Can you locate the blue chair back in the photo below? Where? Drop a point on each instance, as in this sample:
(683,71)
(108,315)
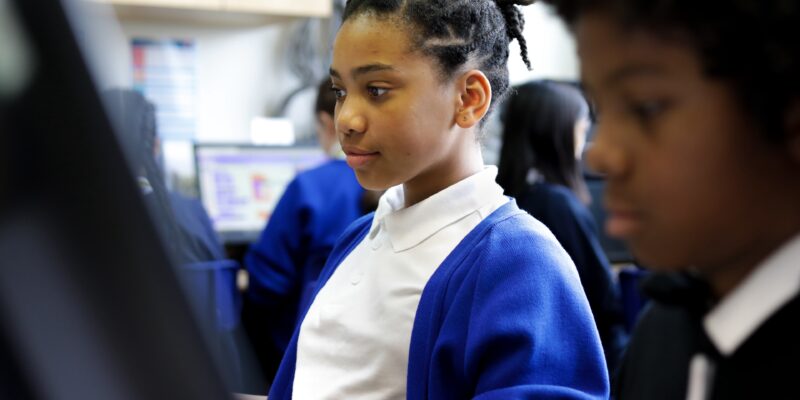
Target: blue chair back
(633,301)
(216,301)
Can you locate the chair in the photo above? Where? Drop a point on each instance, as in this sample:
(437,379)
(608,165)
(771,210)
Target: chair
(216,301)
(633,301)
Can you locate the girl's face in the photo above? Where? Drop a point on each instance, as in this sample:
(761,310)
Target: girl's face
(691,182)
(395,118)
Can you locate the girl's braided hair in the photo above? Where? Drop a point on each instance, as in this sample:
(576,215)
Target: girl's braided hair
(456,33)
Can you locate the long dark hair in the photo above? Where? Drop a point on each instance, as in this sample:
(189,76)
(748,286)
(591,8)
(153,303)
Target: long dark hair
(134,118)
(539,133)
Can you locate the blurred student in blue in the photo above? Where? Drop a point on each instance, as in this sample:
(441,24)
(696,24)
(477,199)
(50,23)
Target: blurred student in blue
(545,126)
(284,263)
(183,221)
(208,278)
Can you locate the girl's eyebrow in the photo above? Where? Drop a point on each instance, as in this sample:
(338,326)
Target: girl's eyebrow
(364,69)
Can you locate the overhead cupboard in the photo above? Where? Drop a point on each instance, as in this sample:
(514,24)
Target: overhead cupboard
(298,8)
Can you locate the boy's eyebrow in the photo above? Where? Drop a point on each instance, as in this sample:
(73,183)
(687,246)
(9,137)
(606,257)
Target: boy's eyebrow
(364,69)
(630,71)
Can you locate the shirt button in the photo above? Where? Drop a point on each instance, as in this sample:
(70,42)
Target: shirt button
(355,277)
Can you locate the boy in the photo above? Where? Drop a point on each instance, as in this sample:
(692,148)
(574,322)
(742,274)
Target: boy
(699,138)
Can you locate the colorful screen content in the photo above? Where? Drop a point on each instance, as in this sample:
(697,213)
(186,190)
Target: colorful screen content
(240,185)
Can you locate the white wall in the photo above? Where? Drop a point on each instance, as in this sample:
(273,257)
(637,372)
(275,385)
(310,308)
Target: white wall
(551,48)
(239,73)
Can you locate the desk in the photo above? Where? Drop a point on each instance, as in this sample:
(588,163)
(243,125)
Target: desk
(239,396)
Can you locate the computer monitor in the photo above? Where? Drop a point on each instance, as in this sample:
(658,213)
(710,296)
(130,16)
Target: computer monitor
(90,303)
(240,185)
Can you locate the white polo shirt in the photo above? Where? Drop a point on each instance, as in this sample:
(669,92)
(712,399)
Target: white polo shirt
(768,288)
(355,338)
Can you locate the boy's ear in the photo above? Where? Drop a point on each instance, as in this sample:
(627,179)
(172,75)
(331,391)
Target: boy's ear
(475,96)
(793,130)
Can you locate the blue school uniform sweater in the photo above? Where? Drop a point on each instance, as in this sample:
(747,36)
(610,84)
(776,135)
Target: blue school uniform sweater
(574,227)
(503,317)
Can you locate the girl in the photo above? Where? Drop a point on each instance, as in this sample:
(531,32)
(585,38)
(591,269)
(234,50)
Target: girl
(545,126)
(448,290)
(699,139)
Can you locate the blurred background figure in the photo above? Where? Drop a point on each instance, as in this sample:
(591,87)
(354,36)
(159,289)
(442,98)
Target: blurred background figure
(284,263)
(209,278)
(545,126)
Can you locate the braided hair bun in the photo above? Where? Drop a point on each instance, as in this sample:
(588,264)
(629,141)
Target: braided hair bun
(515,24)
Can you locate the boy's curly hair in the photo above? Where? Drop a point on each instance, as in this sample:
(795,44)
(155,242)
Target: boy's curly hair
(455,32)
(754,45)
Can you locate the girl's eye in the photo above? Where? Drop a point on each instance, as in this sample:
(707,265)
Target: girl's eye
(339,93)
(376,91)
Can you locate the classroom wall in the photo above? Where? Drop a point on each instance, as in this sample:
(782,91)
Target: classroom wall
(239,72)
(551,48)
(242,71)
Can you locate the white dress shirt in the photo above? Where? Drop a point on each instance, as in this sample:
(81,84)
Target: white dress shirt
(768,288)
(354,340)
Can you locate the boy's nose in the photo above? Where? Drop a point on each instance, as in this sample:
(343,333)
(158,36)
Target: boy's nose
(605,156)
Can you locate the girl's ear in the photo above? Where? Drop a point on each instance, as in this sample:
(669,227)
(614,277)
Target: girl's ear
(475,96)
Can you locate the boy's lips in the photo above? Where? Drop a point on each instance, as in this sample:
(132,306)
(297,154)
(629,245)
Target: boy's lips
(357,157)
(622,222)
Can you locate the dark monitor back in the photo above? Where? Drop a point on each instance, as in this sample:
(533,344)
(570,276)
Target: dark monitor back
(90,306)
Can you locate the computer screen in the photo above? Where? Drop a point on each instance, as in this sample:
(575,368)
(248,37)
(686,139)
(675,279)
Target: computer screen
(240,185)
(91,306)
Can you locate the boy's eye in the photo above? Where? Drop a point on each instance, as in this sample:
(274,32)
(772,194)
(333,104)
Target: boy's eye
(339,93)
(376,91)
(647,110)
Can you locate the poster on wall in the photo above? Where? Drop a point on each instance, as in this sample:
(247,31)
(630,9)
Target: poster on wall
(165,72)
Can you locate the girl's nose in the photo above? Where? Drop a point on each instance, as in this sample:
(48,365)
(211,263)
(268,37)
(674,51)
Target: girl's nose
(349,120)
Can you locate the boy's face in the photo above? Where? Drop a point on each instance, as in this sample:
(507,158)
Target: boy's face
(394,116)
(690,181)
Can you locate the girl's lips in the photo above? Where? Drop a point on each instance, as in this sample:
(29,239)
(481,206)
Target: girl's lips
(360,159)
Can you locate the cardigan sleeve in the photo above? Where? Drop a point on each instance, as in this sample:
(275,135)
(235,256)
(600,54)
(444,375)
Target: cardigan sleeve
(530,330)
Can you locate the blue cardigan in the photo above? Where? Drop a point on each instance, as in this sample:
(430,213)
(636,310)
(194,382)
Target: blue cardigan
(574,227)
(503,317)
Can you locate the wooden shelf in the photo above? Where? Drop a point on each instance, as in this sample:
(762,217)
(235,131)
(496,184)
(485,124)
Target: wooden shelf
(223,10)
(307,8)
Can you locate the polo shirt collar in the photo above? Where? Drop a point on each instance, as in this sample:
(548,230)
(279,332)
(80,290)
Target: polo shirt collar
(408,227)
